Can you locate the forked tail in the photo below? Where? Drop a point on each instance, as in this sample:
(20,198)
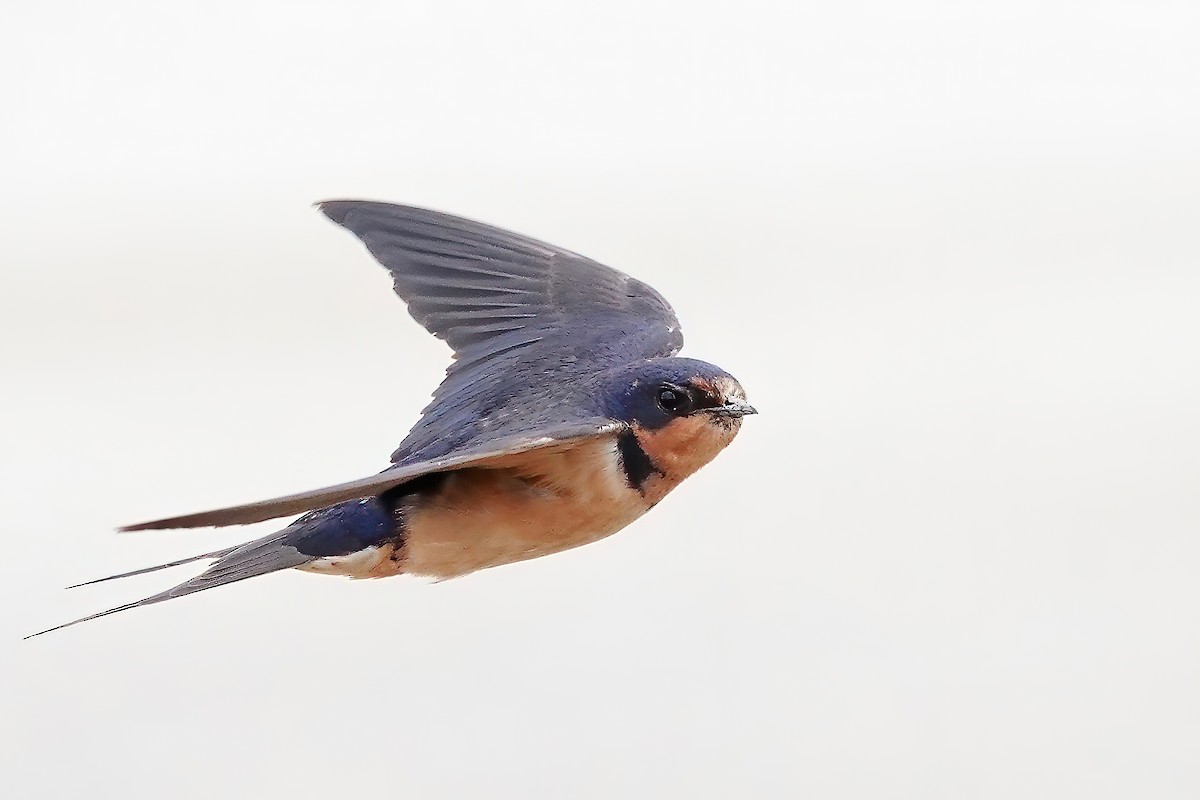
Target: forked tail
(335,531)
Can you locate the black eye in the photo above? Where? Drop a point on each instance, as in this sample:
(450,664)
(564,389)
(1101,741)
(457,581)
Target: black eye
(674,400)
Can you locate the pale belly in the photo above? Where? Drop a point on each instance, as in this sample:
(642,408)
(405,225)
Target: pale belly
(550,501)
(532,504)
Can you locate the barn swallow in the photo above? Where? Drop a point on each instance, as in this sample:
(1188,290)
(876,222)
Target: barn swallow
(564,416)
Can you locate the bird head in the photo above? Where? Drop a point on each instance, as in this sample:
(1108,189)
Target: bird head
(656,393)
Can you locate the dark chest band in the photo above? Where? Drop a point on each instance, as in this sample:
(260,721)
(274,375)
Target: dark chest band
(634,462)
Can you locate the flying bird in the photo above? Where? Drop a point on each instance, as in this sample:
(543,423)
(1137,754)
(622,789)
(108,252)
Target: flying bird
(564,416)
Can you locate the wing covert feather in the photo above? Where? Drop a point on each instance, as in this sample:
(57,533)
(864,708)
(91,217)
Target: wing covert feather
(473,284)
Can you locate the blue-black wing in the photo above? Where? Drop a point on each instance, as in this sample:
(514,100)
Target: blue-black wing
(531,325)
(527,320)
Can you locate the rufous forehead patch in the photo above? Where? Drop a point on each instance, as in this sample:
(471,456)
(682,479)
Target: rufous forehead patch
(722,387)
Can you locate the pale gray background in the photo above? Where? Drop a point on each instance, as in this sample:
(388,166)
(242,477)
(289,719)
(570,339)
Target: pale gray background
(950,249)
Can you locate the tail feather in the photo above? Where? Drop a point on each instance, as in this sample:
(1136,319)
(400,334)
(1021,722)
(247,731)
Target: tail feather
(250,560)
(157,567)
(335,531)
(157,598)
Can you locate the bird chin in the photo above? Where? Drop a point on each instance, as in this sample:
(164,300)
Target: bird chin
(726,423)
(729,425)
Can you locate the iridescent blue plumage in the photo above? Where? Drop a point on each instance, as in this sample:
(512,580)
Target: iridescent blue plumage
(630,392)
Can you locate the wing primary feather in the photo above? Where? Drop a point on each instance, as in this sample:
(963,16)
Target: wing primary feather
(372,485)
(280,506)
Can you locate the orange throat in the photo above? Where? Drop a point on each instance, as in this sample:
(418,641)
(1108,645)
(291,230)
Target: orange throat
(679,449)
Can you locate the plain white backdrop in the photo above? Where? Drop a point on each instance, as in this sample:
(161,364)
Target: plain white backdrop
(951,250)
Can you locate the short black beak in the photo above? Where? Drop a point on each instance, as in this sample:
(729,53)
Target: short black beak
(734,408)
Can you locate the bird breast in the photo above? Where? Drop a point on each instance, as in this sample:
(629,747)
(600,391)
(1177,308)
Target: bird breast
(534,504)
(540,502)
